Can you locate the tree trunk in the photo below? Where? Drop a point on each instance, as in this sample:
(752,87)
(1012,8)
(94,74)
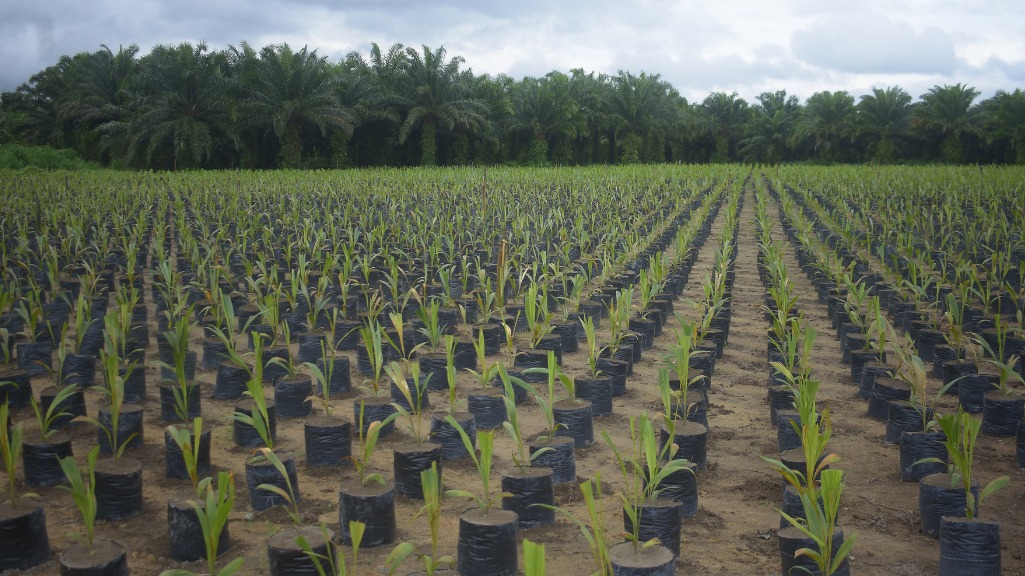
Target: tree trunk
(291,150)
(950,151)
(429,145)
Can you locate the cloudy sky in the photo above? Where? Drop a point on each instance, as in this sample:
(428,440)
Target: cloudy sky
(746,46)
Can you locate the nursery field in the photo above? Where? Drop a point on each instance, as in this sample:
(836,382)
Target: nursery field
(213,364)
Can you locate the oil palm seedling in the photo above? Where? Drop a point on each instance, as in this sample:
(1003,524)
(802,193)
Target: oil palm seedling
(644,468)
(117,438)
(487,535)
(412,394)
(213,506)
(10,449)
(367,446)
(24,520)
(257,418)
(189,443)
(962,431)
(185,395)
(485,500)
(536,314)
(431,511)
(593,527)
(83,492)
(819,524)
(372,336)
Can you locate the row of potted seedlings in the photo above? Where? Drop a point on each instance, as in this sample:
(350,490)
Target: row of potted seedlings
(810,538)
(936,449)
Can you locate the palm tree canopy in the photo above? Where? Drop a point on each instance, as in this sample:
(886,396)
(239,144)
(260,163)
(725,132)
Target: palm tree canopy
(949,109)
(643,103)
(886,112)
(185,116)
(828,117)
(292,92)
(434,94)
(544,106)
(723,114)
(770,126)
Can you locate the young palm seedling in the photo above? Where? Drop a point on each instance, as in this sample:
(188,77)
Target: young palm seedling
(679,359)
(372,336)
(398,343)
(286,494)
(644,469)
(323,380)
(185,395)
(450,373)
(333,563)
(114,390)
(521,457)
(593,351)
(485,501)
(259,417)
(50,419)
(961,431)
(821,506)
(432,329)
(487,371)
(487,536)
(367,446)
(213,506)
(190,445)
(593,529)
(431,510)
(84,494)
(535,309)
(412,395)
(10,448)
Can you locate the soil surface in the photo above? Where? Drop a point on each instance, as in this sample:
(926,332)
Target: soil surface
(734,530)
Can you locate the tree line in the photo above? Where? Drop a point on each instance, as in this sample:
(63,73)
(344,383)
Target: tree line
(187,106)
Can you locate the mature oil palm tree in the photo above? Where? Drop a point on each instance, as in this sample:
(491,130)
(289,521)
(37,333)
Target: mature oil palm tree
(294,95)
(435,98)
(684,128)
(546,113)
(885,117)
(184,118)
(359,92)
(769,128)
(642,108)
(1008,121)
(723,117)
(484,144)
(948,111)
(371,89)
(33,109)
(591,93)
(256,145)
(827,119)
(99,100)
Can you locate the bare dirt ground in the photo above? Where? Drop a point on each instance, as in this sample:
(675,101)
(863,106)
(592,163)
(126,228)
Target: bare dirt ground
(734,531)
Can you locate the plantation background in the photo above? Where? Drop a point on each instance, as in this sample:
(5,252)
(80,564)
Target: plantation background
(186,106)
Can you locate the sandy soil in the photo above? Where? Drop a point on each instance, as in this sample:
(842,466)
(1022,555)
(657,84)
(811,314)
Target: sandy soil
(734,531)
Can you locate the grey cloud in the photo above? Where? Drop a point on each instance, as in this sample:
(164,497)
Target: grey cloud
(865,43)
(1014,70)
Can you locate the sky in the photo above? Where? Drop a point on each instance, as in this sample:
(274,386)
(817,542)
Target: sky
(742,46)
